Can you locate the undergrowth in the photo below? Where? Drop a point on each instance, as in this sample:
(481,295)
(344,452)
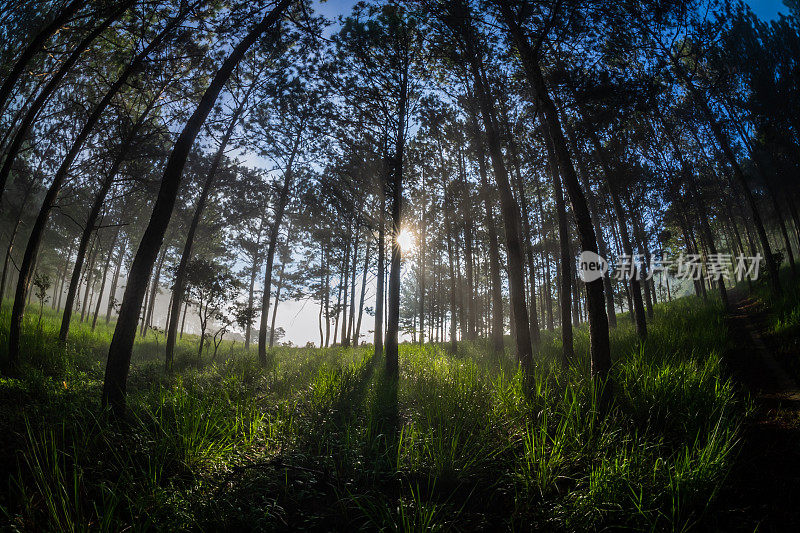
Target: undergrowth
(322,439)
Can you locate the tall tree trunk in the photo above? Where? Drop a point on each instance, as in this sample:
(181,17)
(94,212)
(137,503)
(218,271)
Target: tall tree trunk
(64,272)
(357,333)
(594,213)
(346,285)
(526,232)
(34,47)
(44,95)
(494,264)
(566,260)
(450,262)
(280,209)
(12,238)
(148,317)
(494,249)
(183,318)
(248,330)
(638,234)
(351,320)
(423,243)
(275,307)
(105,277)
(509,211)
(179,284)
(112,295)
(327,296)
(90,274)
(119,354)
(378,334)
(634,281)
(396,190)
(598,320)
(547,294)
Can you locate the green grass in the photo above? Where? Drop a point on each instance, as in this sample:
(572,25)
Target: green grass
(321,439)
(781,327)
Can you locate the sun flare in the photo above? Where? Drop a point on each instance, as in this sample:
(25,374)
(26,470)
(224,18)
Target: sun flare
(406,240)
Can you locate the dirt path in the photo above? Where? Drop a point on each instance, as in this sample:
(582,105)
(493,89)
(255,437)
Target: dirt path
(763,492)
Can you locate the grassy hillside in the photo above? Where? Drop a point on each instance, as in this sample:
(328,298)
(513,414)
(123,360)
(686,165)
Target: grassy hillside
(319,439)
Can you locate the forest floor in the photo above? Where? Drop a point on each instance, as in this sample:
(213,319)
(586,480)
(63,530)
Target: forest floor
(701,436)
(762,490)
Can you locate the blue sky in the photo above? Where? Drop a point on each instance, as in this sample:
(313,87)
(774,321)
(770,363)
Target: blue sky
(768,9)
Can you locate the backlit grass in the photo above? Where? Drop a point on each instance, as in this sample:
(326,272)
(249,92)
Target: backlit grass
(320,438)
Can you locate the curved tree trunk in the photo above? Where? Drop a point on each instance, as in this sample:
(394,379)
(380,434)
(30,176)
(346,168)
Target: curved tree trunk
(34,47)
(119,353)
(179,285)
(47,91)
(37,232)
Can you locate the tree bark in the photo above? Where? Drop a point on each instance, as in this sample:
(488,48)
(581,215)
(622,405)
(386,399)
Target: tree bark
(466,209)
(44,95)
(179,284)
(635,285)
(112,295)
(105,277)
(90,273)
(275,307)
(396,190)
(598,320)
(280,209)
(357,334)
(12,238)
(594,213)
(378,334)
(509,211)
(565,279)
(253,272)
(148,316)
(119,354)
(526,232)
(450,261)
(34,47)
